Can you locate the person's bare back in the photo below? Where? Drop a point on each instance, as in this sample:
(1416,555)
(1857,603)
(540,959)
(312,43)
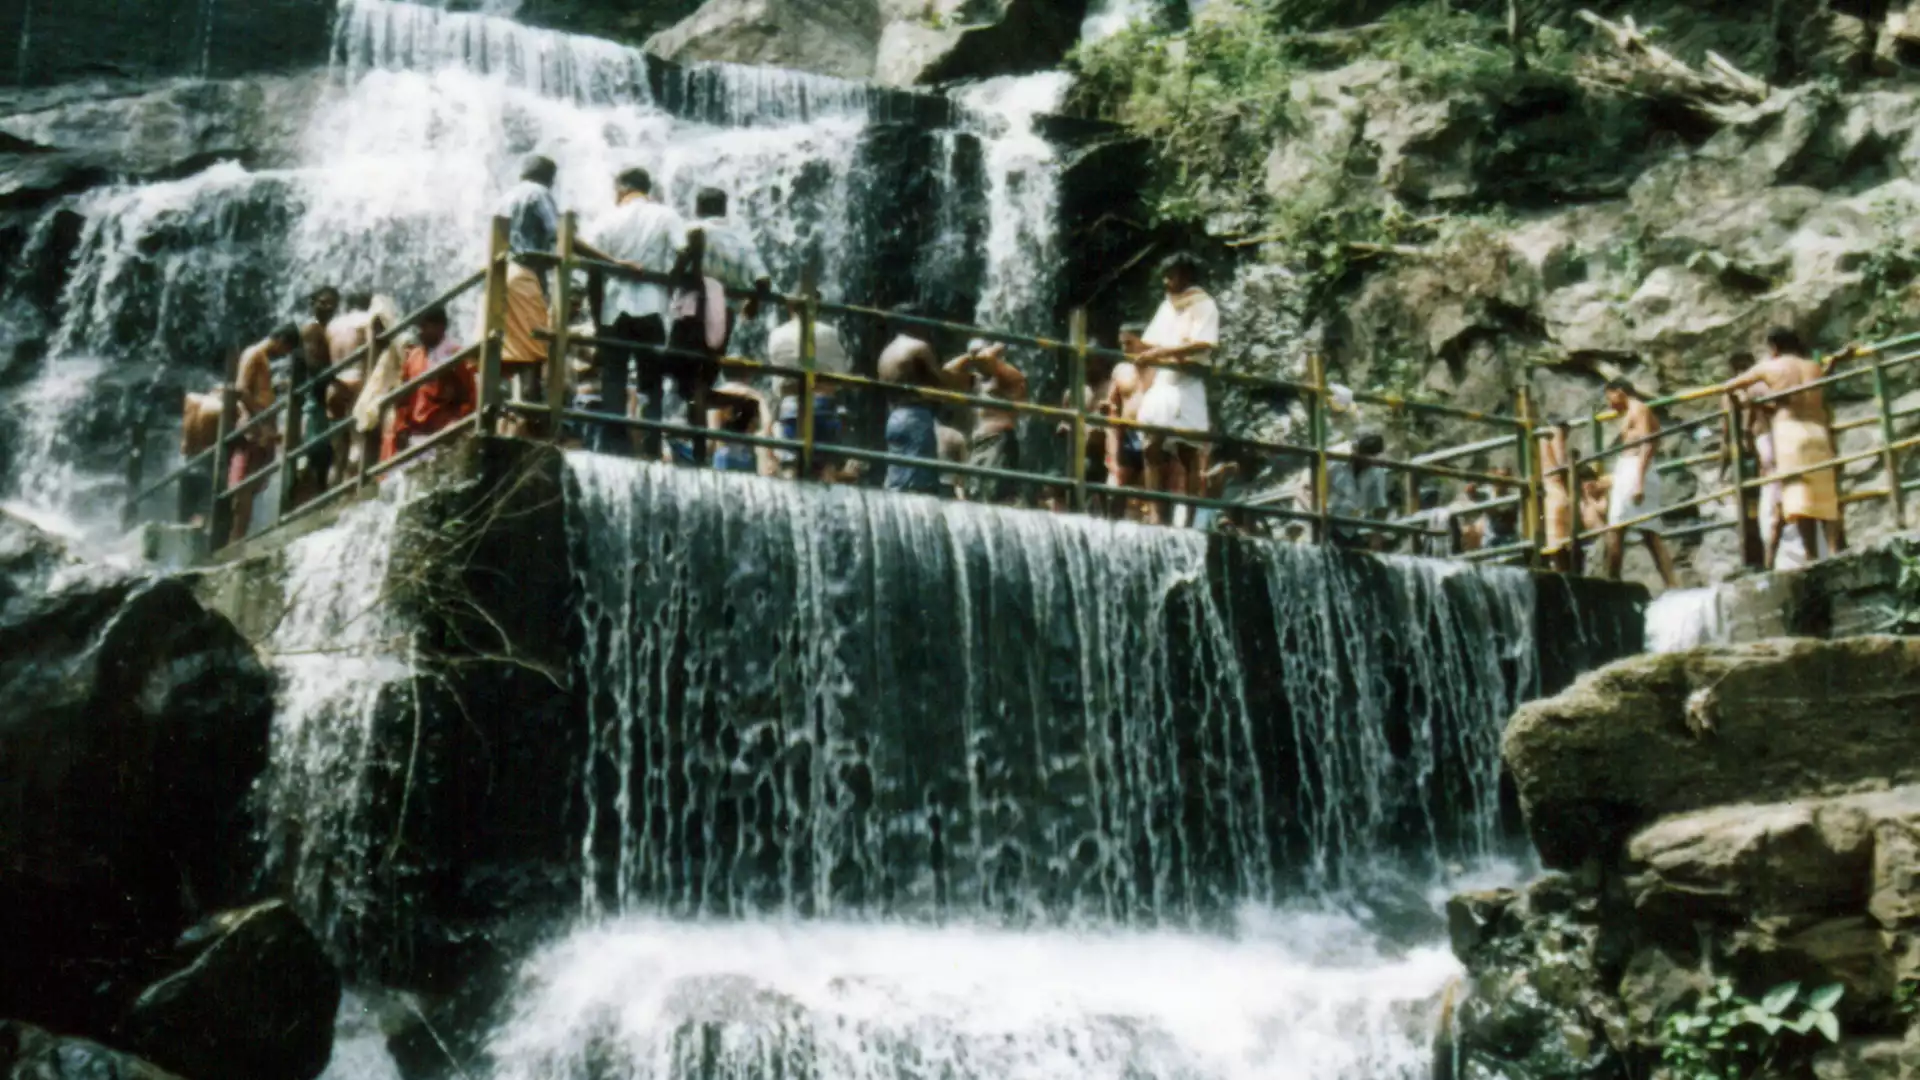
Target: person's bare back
(255,379)
(908,361)
(1782,374)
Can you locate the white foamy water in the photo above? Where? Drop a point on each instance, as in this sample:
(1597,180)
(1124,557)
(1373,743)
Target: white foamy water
(1023,198)
(1681,619)
(1288,995)
(1106,18)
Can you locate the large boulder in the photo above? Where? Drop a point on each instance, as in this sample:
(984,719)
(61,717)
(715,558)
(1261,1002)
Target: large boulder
(29,1053)
(827,37)
(256,1002)
(135,723)
(1666,734)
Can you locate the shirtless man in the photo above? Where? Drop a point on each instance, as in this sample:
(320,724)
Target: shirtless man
(254,385)
(316,465)
(1802,438)
(1636,482)
(199,429)
(347,333)
(995,443)
(1125,449)
(912,426)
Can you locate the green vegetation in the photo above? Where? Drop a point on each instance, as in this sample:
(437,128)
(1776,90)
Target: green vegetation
(1725,1036)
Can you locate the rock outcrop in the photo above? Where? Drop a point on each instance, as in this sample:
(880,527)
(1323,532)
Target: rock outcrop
(1667,734)
(30,1053)
(135,722)
(256,1001)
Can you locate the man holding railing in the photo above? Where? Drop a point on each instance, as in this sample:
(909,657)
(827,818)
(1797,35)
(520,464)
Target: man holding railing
(731,257)
(254,450)
(1635,496)
(533,227)
(1180,343)
(644,235)
(829,420)
(913,429)
(438,403)
(1801,438)
(995,442)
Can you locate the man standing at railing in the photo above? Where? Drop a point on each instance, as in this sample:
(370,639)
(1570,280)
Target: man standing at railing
(1180,343)
(253,384)
(731,257)
(1357,488)
(913,430)
(829,420)
(995,442)
(439,402)
(644,235)
(1802,438)
(533,227)
(1636,482)
(315,466)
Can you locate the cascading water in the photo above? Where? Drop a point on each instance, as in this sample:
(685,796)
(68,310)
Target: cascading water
(1681,619)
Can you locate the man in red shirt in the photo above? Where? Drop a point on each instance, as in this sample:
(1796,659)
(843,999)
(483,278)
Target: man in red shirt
(438,403)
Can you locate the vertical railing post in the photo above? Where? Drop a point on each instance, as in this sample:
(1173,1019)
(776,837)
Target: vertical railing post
(1737,463)
(1077,384)
(1576,547)
(493,328)
(809,317)
(289,462)
(136,471)
(561,321)
(1528,473)
(1894,490)
(220,508)
(1317,427)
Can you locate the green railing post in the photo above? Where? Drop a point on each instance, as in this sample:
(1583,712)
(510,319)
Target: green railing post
(1077,380)
(809,317)
(493,328)
(1894,488)
(561,319)
(1576,547)
(1317,426)
(1528,473)
(1736,461)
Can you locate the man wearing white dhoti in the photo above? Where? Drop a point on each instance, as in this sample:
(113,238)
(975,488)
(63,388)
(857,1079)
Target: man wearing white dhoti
(1180,343)
(1635,496)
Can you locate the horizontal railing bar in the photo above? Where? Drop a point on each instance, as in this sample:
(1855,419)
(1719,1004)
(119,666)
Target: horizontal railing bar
(1484,445)
(324,498)
(387,336)
(197,461)
(438,438)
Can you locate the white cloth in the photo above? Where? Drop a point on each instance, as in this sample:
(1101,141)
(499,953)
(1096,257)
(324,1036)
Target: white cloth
(829,354)
(1620,504)
(647,233)
(1178,399)
(385,375)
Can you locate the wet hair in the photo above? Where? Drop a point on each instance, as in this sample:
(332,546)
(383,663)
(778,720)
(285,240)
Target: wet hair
(437,314)
(1369,444)
(1623,386)
(1137,329)
(711,202)
(357,301)
(1740,361)
(288,335)
(323,291)
(1783,339)
(634,179)
(1181,262)
(540,169)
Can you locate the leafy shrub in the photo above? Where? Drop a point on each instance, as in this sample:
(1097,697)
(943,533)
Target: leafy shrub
(1725,1036)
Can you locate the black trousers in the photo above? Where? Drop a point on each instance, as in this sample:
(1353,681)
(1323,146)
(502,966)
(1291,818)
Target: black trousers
(615,365)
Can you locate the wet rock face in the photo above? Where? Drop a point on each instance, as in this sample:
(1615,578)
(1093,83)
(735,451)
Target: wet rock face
(135,723)
(1659,735)
(63,40)
(256,1001)
(29,1053)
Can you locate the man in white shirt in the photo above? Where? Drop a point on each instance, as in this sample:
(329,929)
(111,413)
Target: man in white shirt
(643,235)
(1357,488)
(1180,343)
(829,420)
(731,256)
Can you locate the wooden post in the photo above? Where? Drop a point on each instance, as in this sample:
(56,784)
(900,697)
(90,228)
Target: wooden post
(809,317)
(493,328)
(289,462)
(219,508)
(1317,426)
(1576,547)
(1737,463)
(136,471)
(559,369)
(1077,382)
(1529,475)
(1894,489)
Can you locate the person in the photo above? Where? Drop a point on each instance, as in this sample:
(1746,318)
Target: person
(1126,449)
(1635,491)
(730,257)
(1092,396)
(1596,494)
(1180,343)
(253,385)
(439,403)
(736,408)
(199,430)
(642,235)
(912,428)
(1753,441)
(829,419)
(533,228)
(370,420)
(315,470)
(1801,438)
(1501,524)
(953,451)
(348,333)
(1556,497)
(995,442)
(1357,488)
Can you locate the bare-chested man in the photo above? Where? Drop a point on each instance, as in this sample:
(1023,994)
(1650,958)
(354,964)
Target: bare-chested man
(1636,482)
(1801,436)
(254,385)
(995,442)
(199,430)
(348,333)
(1125,448)
(912,426)
(315,467)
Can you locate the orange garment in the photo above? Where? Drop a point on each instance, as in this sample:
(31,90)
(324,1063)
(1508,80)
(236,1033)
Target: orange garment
(435,405)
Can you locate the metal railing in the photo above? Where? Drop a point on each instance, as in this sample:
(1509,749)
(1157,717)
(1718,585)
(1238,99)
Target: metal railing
(1518,434)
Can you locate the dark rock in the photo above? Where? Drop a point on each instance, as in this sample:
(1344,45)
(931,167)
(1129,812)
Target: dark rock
(256,1003)
(79,39)
(1667,734)
(135,724)
(28,1053)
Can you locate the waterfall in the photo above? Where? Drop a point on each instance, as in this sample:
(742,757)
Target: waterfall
(832,702)
(1023,198)
(339,653)
(1682,619)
